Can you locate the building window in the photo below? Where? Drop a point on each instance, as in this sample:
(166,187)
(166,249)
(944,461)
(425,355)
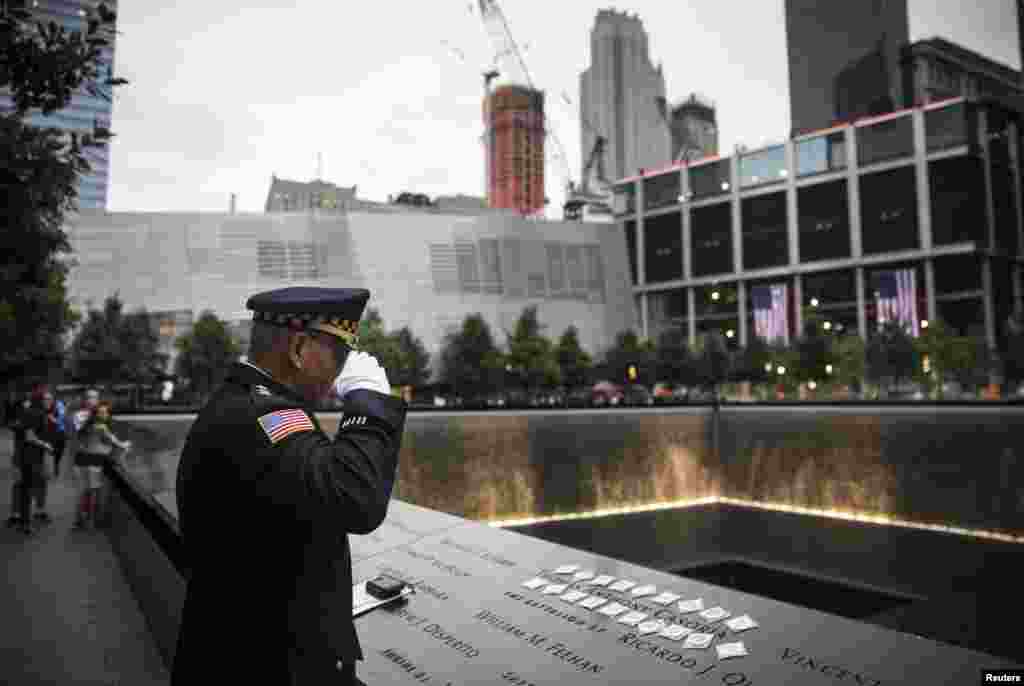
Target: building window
(663,248)
(490,262)
(765,235)
(272,259)
(710,179)
(957,189)
(711,239)
(630,227)
(717,310)
(821,154)
(556,268)
(957,275)
(765,166)
(889,211)
(831,297)
(885,140)
(666,311)
(661,190)
(872,277)
(824,221)
(946,127)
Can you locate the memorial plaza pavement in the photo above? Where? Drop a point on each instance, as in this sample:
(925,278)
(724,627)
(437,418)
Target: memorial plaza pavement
(69,616)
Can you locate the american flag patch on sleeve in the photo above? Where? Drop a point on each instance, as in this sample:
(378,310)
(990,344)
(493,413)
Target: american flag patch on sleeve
(283,423)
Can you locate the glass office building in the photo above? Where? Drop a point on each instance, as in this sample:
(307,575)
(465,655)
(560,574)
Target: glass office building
(935,190)
(84,109)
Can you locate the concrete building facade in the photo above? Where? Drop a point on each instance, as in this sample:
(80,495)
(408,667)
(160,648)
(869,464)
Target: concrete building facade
(425,269)
(622,97)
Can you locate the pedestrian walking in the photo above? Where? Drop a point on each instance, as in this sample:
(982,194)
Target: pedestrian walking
(56,423)
(266,499)
(34,461)
(17,416)
(96,444)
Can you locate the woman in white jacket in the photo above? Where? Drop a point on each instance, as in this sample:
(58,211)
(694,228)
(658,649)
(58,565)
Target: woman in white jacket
(96,443)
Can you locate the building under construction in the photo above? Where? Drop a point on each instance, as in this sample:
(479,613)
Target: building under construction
(514,148)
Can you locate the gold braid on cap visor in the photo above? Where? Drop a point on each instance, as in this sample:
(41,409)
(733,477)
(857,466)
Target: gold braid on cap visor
(345,329)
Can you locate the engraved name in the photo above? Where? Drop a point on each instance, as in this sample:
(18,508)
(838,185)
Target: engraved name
(479,551)
(795,657)
(439,564)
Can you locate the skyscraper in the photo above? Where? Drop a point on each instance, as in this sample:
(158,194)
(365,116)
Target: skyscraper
(84,109)
(849,60)
(858,39)
(622,97)
(514,144)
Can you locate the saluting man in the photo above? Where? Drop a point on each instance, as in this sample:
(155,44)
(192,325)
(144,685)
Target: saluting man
(266,499)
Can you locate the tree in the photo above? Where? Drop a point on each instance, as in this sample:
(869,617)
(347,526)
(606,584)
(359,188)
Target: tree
(891,356)
(113,347)
(814,352)
(573,360)
(849,355)
(206,353)
(412,368)
(628,352)
(531,357)
(715,363)
(471,364)
(42,66)
(674,362)
(756,362)
(1013,348)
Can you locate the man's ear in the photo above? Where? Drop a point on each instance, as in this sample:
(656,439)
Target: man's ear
(296,347)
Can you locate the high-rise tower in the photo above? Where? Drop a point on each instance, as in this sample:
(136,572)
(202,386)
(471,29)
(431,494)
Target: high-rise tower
(84,109)
(622,96)
(514,143)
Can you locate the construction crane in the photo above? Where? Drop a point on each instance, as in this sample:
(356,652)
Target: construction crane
(594,196)
(509,63)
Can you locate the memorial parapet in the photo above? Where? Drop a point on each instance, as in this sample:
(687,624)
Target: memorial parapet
(493,607)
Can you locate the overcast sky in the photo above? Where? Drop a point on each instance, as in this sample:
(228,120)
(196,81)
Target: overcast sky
(222,96)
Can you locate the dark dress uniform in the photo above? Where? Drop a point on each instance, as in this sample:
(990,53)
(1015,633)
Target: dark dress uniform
(265,501)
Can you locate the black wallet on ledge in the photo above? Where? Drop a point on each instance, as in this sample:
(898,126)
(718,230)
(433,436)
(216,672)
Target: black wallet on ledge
(384,587)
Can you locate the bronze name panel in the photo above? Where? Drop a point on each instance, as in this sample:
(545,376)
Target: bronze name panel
(472,621)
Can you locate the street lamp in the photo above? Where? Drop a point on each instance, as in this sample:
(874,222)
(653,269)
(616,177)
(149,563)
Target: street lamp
(924,323)
(715,295)
(632,372)
(768,367)
(780,370)
(828,326)
(814,302)
(730,333)
(812,385)
(828,369)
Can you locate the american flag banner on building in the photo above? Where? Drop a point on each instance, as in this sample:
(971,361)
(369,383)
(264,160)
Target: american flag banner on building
(771,312)
(283,423)
(896,299)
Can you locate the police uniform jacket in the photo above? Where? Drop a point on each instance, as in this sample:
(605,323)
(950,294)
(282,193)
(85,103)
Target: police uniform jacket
(265,527)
